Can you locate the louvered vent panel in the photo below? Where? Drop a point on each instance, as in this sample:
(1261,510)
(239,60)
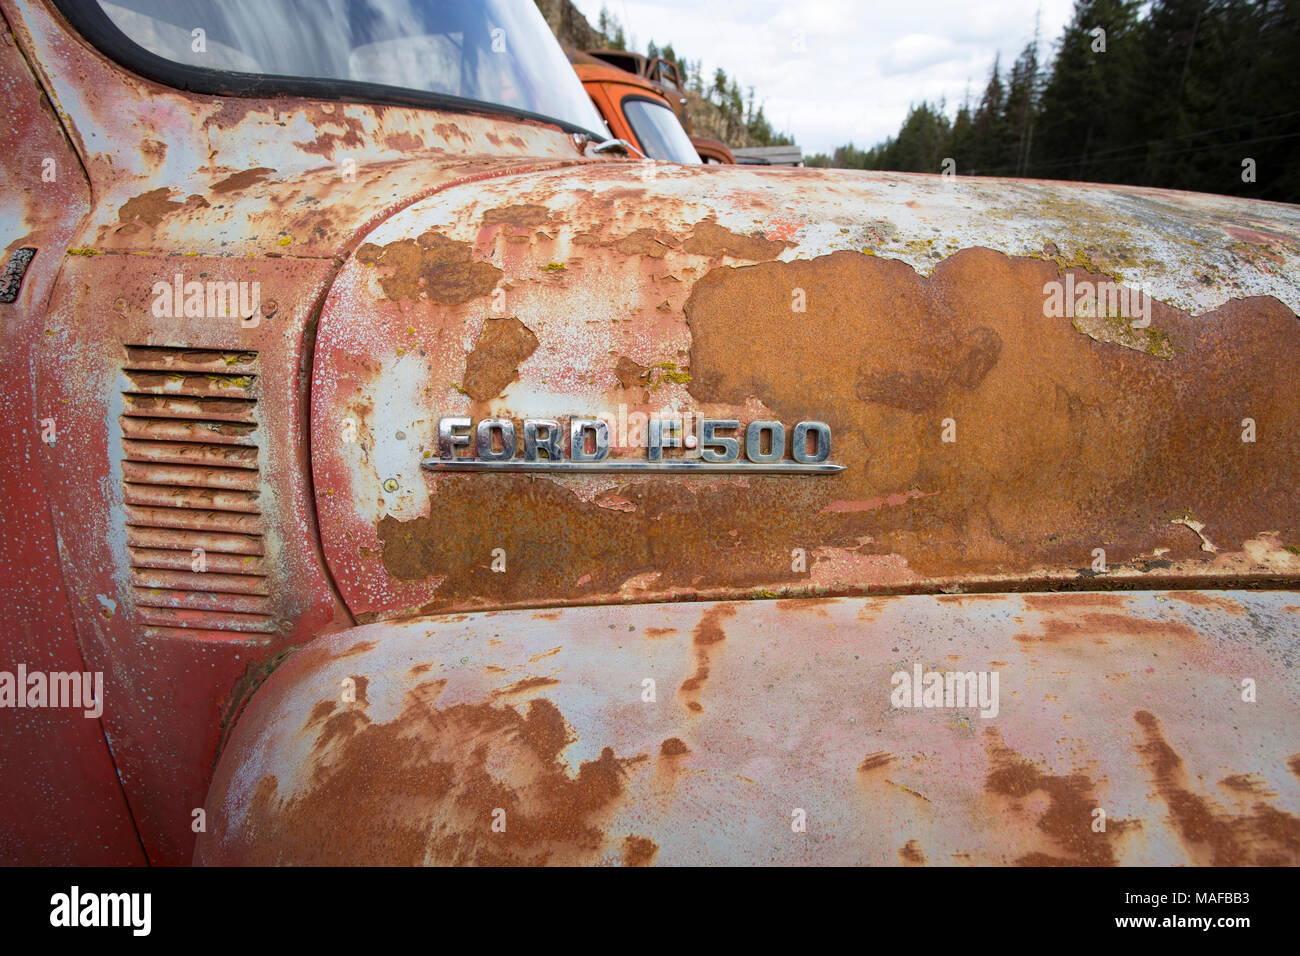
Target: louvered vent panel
(190,480)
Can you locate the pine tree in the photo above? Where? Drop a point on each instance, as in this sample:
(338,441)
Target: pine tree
(989,139)
(1086,99)
(1021,109)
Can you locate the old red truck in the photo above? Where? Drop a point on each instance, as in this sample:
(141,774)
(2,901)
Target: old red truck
(399,473)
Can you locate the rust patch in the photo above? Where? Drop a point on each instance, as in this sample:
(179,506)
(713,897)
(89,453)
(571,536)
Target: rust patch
(362,684)
(659,631)
(875,761)
(155,150)
(708,632)
(1268,837)
(1202,599)
(1096,624)
(494,363)
(709,629)
(1067,600)
(629,373)
(1053,453)
(1293,764)
(340,725)
(360,647)
(325,143)
(911,855)
(962,359)
(321,711)
(639,851)
(148,208)
(424,789)
(664,522)
(654,243)
(712,240)
(431,266)
(1251,783)
(450,131)
(526,683)
(522,216)
(404,142)
(673,747)
(1067,821)
(818,605)
(242,180)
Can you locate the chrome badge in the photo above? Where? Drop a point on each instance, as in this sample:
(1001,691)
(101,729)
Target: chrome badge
(494,446)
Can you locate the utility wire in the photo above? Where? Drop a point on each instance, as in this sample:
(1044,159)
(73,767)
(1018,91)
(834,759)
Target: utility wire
(1136,153)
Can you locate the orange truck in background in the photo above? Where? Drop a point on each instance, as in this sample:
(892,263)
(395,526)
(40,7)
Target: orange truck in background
(638,111)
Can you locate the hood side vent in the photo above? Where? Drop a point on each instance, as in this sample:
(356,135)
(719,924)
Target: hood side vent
(191,482)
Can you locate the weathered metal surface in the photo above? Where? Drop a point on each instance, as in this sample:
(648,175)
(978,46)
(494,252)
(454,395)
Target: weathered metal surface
(181,434)
(539,721)
(635,289)
(192,563)
(179,172)
(60,799)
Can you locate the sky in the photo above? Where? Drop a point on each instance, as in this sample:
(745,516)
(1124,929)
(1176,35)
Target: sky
(837,71)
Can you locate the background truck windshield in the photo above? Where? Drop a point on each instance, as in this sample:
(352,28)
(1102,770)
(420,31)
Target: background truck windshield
(491,51)
(659,131)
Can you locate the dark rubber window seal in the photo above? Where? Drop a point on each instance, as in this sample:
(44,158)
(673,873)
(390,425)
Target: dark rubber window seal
(89,20)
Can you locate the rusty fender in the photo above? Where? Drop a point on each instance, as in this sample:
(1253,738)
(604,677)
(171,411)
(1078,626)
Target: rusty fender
(1117,731)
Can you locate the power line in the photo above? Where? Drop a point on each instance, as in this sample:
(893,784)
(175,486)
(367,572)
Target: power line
(1138,149)
(1137,152)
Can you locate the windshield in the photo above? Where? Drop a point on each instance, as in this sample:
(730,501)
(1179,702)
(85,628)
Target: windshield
(492,51)
(661,135)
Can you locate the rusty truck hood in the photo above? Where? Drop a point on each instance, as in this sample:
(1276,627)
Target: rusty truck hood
(987,444)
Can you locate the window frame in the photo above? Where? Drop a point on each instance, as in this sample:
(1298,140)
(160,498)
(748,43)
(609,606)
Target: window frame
(94,26)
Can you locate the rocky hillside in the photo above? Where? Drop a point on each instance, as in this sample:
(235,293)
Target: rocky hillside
(569,25)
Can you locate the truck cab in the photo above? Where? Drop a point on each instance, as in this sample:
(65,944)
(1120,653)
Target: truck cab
(634,109)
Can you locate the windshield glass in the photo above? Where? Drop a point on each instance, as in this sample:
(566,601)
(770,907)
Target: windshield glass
(493,51)
(661,135)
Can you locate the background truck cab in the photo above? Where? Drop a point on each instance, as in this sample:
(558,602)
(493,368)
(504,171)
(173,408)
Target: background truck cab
(634,109)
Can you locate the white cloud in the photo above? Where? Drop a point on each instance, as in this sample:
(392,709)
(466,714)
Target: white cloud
(915,51)
(864,61)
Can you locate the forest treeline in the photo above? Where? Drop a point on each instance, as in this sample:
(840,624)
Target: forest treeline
(1185,94)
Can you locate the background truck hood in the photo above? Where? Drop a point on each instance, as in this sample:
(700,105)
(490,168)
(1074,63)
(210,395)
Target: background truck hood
(580,290)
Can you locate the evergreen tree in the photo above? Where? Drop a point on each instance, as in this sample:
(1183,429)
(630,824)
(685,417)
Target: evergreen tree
(1090,89)
(1021,110)
(990,146)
